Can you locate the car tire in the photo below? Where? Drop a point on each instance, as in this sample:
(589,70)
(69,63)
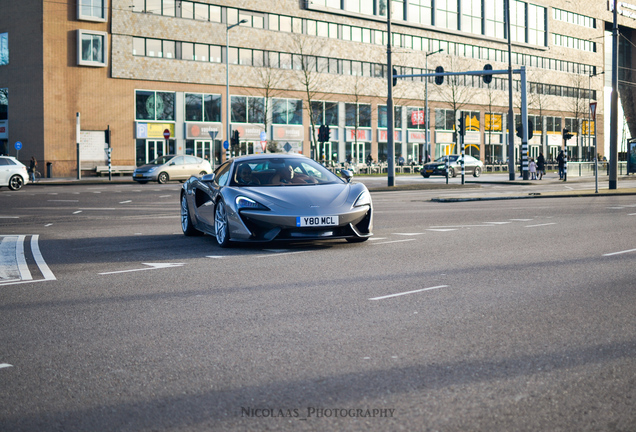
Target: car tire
(163,178)
(186,221)
(477,172)
(221,225)
(451,172)
(202,173)
(16,182)
(425,175)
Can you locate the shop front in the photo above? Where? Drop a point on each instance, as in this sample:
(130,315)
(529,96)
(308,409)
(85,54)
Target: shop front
(205,140)
(383,152)
(288,138)
(249,138)
(150,142)
(358,145)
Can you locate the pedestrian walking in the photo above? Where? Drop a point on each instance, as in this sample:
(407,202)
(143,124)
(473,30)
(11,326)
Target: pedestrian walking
(33,166)
(540,166)
(561,161)
(532,167)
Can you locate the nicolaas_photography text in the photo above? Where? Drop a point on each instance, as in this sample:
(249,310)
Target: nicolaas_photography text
(317,412)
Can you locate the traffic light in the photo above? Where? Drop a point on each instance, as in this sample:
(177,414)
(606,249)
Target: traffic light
(323,133)
(520,131)
(235,138)
(566,134)
(439,80)
(460,125)
(530,129)
(394,77)
(488,78)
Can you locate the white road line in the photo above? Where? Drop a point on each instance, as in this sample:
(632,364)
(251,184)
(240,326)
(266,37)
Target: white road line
(409,234)
(63,200)
(521,220)
(442,229)
(37,255)
(125,202)
(9,217)
(279,253)
(497,223)
(104,208)
(377,238)
(394,241)
(215,256)
(631,214)
(540,225)
(5,365)
(48,225)
(79,211)
(621,252)
(23,268)
(408,292)
(153,266)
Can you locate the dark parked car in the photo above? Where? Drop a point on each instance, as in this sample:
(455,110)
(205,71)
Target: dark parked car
(438,167)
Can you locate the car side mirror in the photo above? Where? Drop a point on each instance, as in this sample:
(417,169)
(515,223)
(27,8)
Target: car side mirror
(347,175)
(172,163)
(208,177)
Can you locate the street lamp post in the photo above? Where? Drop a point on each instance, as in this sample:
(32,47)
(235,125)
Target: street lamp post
(227,78)
(589,115)
(427,141)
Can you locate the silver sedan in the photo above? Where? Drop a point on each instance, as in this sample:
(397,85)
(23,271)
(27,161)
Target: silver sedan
(262,198)
(171,167)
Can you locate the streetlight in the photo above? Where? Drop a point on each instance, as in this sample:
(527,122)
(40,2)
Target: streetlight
(227,77)
(428,144)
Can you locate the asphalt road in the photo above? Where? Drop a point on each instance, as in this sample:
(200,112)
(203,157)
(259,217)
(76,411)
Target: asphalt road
(488,315)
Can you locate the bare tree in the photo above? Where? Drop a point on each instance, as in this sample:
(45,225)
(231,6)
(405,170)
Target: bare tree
(310,66)
(492,99)
(578,104)
(268,85)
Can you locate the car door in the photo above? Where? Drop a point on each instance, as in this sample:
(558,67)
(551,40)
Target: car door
(175,168)
(4,171)
(206,193)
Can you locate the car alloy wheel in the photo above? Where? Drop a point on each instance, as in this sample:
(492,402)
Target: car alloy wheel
(451,172)
(16,183)
(477,172)
(162,178)
(221,227)
(186,223)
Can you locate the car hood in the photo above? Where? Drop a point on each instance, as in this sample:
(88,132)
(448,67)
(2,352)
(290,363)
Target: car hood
(297,197)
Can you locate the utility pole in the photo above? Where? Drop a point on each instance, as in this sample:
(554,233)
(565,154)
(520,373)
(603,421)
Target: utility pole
(613,159)
(389,103)
(511,114)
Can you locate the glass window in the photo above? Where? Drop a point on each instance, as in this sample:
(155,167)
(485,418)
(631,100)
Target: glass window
(92,48)
(215,13)
(91,10)
(169,49)
(153,48)
(212,107)
(239,109)
(139,46)
(169,7)
(331,113)
(279,111)
(187,9)
(285,24)
(145,105)
(215,53)
(201,11)
(4,49)
(446,14)
(420,11)
(165,106)
(187,51)
(194,107)
(201,52)
(4,104)
(256,110)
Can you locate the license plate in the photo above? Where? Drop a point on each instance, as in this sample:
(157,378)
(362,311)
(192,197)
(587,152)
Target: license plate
(309,221)
(139,175)
(429,171)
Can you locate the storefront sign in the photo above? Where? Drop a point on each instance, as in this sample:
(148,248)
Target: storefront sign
(383,136)
(4,129)
(288,132)
(417,117)
(443,137)
(248,132)
(416,136)
(362,135)
(202,130)
(152,130)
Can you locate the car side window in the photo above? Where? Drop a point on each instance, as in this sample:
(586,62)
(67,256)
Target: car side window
(177,160)
(223,174)
(191,160)
(4,161)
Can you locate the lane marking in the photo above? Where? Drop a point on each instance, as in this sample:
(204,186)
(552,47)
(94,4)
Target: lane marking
(48,225)
(442,230)
(9,217)
(621,252)
(39,260)
(79,211)
(497,223)
(540,225)
(408,292)
(5,365)
(153,266)
(23,268)
(63,200)
(280,253)
(125,202)
(409,234)
(377,238)
(521,220)
(394,241)
(215,256)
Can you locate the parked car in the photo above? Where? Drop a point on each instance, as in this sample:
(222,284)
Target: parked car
(13,173)
(172,167)
(438,167)
(268,197)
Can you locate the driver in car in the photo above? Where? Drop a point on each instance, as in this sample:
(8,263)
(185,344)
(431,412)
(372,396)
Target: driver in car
(287,175)
(244,176)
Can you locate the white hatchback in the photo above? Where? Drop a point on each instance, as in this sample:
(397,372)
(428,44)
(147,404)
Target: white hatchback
(13,173)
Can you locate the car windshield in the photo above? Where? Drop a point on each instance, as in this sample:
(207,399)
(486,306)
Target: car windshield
(161,160)
(452,158)
(281,172)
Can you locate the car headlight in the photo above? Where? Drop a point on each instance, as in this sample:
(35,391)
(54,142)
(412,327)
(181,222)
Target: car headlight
(364,199)
(441,166)
(243,203)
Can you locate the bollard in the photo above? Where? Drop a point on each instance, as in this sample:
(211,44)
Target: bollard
(49,169)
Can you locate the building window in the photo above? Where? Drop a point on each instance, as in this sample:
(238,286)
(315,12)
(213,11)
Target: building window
(202,107)
(325,113)
(518,20)
(446,14)
(397,117)
(248,109)
(536,25)
(420,11)
(287,111)
(91,10)
(4,49)
(358,115)
(495,18)
(444,119)
(154,106)
(91,48)
(471,16)
(4,103)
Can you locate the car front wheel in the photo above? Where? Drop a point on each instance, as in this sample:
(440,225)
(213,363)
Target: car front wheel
(477,172)
(16,182)
(163,178)
(221,225)
(186,223)
(451,172)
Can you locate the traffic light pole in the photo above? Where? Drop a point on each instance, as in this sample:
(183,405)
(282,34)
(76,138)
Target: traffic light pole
(389,104)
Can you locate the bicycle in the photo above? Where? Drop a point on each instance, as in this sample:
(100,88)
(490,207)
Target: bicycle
(35,176)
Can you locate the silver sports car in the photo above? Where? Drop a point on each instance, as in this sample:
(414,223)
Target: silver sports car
(261,198)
